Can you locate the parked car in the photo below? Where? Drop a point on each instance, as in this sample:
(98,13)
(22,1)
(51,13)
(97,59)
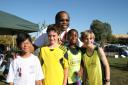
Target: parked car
(111,48)
(121,50)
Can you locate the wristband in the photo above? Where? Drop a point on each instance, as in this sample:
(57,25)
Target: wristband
(107,80)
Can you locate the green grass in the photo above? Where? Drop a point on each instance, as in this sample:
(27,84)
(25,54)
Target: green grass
(119,71)
(119,62)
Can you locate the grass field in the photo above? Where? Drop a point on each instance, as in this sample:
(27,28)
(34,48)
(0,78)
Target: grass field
(119,71)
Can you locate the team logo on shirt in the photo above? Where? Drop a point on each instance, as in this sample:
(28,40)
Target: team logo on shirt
(19,70)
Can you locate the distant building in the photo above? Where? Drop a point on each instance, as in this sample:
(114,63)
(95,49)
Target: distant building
(122,38)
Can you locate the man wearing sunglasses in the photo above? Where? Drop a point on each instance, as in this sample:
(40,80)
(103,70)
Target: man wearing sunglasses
(62,19)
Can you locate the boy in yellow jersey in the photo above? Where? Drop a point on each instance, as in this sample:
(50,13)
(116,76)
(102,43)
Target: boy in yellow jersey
(74,57)
(91,60)
(54,59)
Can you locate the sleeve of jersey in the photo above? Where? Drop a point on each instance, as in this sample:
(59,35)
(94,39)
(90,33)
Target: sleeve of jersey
(10,77)
(65,60)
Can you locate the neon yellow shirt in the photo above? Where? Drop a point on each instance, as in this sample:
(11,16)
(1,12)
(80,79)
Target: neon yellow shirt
(93,68)
(74,66)
(52,67)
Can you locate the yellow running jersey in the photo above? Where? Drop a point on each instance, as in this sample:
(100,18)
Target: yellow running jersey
(53,63)
(74,66)
(93,67)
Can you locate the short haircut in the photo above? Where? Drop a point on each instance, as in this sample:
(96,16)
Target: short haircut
(54,27)
(86,34)
(57,17)
(21,37)
(70,31)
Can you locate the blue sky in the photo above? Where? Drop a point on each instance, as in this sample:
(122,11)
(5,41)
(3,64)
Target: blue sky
(82,12)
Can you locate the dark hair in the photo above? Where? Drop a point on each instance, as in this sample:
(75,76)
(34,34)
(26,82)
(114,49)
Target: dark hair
(21,37)
(2,48)
(57,17)
(70,31)
(54,27)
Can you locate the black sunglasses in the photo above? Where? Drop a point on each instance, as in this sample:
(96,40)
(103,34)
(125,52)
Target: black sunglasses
(61,20)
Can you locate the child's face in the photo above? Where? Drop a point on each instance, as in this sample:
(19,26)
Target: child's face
(26,46)
(88,40)
(73,38)
(53,37)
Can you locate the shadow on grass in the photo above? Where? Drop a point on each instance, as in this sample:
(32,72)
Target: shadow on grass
(123,68)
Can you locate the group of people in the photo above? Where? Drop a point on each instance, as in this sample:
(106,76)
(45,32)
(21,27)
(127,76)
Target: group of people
(64,58)
(6,56)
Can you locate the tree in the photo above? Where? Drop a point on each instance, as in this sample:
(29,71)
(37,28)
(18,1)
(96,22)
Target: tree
(108,31)
(7,40)
(102,31)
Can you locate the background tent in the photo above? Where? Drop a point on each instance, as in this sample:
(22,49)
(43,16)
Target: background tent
(11,24)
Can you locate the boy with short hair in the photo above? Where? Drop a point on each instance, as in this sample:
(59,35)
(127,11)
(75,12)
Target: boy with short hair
(26,68)
(54,59)
(74,58)
(92,58)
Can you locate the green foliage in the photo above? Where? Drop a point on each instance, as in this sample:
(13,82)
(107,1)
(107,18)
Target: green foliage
(4,39)
(119,41)
(101,30)
(114,41)
(7,40)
